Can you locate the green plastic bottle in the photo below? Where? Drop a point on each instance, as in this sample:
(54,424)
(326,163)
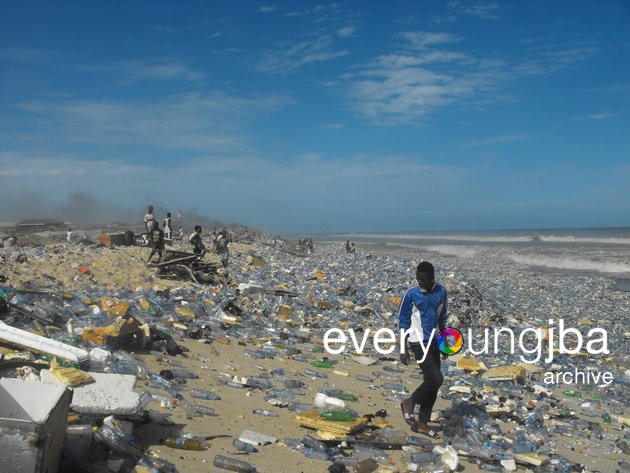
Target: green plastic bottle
(571,393)
(337,415)
(322,364)
(346,396)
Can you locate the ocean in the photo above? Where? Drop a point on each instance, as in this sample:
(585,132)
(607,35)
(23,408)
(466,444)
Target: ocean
(604,251)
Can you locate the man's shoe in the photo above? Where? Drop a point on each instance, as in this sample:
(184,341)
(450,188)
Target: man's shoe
(407,407)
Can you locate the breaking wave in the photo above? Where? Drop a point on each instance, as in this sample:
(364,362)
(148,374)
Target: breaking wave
(491,238)
(572,263)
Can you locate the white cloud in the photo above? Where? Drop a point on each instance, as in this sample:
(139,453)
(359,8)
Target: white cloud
(346,31)
(427,73)
(596,116)
(422,39)
(193,121)
(267,9)
(485,11)
(496,140)
(602,116)
(404,86)
(291,57)
(130,72)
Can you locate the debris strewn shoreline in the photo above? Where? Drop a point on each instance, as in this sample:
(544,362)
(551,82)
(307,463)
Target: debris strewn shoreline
(255,342)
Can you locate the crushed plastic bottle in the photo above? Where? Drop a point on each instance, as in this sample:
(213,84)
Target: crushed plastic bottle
(232,464)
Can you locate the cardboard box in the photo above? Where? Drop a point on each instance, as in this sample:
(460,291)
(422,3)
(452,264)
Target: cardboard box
(112,239)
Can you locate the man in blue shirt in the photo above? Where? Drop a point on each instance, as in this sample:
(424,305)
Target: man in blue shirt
(422,316)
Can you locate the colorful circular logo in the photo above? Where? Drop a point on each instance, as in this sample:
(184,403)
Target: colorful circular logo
(450,341)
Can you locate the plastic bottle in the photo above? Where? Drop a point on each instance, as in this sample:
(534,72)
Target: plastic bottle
(421,442)
(178,373)
(322,364)
(159,382)
(83,430)
(258,382)
(346,396)
(316,455)
(201,394)
(182,443)
(232,464)
(365,451)
(159,418)
(390,435)
(285,394)
(244,446)
(537,415)
(300,407)
(293,383)
(165,401)
(322,400)
(337,415)
(265,412)
(117,442)
(205,410)
(572,393)
(421,458)
(363,378)
(313,443)
(395,387)
(316,374)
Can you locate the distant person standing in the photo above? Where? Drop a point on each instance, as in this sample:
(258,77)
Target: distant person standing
(69,235)
(168,230)
(347,246)
(149,219)
(196,241)
(223,241)
(157,242)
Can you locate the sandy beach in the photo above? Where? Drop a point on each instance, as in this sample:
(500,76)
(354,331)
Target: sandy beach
(357,291)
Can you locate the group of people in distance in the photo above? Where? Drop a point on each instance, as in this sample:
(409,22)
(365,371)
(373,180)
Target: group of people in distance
(158,237)
(220,240)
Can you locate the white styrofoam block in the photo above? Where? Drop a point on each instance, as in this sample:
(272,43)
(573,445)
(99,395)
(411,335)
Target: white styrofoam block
(256,438)
(110,394)
(28,400)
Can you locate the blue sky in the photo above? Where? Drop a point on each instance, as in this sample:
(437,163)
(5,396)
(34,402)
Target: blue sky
(319,117)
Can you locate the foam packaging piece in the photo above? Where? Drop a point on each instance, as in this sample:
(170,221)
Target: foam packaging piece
(109,394)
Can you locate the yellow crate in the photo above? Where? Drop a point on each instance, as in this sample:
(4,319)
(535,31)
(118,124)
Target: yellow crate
(313,420)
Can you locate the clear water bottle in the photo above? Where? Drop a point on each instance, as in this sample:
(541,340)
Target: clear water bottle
(202,394)
(232,464)
(265,412)
(313,443)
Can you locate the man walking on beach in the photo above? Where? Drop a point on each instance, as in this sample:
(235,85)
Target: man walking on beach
(422,312)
